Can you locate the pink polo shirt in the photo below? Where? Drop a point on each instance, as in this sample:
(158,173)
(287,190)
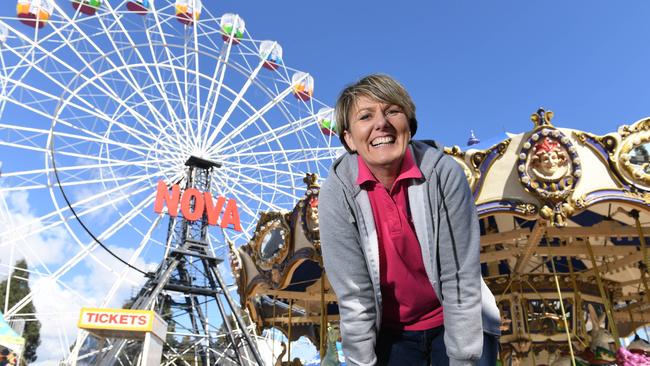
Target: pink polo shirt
(408,300)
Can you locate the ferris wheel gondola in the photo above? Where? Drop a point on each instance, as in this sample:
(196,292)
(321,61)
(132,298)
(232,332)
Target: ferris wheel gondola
(88,7)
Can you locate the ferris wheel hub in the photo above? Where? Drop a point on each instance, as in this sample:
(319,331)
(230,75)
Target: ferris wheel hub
(202,163)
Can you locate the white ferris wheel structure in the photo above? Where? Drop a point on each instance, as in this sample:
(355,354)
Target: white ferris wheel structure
(99,101)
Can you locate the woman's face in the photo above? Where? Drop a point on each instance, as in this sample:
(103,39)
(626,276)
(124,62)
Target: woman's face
(379,133)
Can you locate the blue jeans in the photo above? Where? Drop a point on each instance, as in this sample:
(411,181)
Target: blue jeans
(425,348)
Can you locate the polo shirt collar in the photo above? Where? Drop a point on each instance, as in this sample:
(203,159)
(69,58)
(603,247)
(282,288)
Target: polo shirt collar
(407,170)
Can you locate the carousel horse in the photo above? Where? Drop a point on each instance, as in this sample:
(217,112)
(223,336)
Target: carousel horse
(599,344)
(331,355)
(278,361)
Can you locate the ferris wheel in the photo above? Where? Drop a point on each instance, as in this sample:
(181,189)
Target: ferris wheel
(103,100)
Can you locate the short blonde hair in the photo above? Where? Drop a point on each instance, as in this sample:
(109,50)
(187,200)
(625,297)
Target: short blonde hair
(378,87)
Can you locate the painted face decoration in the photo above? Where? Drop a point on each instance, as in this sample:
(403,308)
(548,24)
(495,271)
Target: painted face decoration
(549,160)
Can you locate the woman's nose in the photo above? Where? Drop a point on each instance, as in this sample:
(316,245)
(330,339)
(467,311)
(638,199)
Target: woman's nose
(381,122)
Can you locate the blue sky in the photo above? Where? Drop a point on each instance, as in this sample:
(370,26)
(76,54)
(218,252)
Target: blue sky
(473,64)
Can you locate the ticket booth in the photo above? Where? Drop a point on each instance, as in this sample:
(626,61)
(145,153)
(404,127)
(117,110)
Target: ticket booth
(143,325)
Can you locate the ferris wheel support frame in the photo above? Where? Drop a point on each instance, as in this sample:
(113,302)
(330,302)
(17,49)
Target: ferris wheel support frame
(191,243)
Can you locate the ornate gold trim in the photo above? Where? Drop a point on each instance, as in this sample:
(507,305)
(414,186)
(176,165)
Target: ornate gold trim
(549,167)
(270,221)
(471,161)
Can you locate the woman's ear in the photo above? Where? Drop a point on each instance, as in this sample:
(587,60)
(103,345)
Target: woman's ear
(349,141)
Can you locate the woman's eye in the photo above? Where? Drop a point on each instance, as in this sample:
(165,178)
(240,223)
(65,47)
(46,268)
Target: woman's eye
(392,112)
(364,117)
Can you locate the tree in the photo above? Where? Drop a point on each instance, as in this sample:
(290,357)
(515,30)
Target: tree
(19,289)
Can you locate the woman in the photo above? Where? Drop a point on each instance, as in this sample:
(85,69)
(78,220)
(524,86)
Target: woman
(400,240)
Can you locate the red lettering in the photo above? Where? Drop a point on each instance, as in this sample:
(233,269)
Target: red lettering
(186,204)
(124,319)
(113,318)
(231,216)
(213,211)
(194,205)
(103,318)
(163,196)
(142,320)
(91,316)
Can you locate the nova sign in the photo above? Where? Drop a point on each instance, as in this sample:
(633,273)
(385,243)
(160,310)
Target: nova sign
(194,204)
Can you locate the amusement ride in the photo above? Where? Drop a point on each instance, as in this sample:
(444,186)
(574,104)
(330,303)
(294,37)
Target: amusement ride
(111,106)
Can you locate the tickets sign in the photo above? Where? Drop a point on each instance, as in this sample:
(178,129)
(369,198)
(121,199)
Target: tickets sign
(117,319)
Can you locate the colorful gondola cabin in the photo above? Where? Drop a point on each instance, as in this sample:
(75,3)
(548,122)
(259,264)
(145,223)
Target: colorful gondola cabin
(271,53)
(34,13)
(232,28)
(188,11)
(138,6)
(303,86)
(88,7)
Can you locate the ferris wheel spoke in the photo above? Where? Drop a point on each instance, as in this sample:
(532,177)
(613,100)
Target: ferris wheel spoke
(21,173)
(197,71)
(288,152)
(142,120)
(238,196)
(14,233)
(170,61)
(159,78)
(279,172)
(92,137)
(242,177)
(91,109)
(132,260)
(130,80)
(274,187)
(213,94)
(80,156)
(240,95)
(258,114)
(276,134)
(85,251)
(185,98)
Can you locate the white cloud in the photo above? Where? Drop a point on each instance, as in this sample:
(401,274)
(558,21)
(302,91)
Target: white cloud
(17,227)
(88,283)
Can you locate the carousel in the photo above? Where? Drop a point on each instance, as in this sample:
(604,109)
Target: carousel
(564,216)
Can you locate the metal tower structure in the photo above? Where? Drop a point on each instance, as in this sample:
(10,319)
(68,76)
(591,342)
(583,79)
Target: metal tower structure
(185,290)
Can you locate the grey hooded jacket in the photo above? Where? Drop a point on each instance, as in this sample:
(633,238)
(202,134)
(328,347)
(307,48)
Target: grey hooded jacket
(446,225)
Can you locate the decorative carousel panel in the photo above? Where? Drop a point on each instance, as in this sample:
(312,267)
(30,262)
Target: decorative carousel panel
(549,167)
(475,163)
(271,241)
(626,152)
(632,157)
(462,158)
(308,208)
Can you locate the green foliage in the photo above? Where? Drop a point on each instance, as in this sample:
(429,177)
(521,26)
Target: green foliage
(18,289)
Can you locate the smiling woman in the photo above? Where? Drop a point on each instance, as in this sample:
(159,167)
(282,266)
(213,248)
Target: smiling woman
(404,242)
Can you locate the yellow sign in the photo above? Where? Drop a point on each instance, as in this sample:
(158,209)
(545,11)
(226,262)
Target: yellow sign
(116,319)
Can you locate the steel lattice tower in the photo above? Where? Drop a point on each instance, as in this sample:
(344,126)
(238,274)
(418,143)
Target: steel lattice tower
(190,271)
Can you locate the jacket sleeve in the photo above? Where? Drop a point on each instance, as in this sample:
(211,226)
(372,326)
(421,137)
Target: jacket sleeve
(459,265)
(347,272)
